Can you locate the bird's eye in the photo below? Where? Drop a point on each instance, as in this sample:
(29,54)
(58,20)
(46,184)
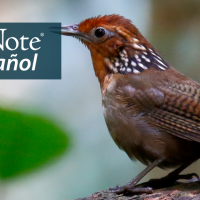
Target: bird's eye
(100,32)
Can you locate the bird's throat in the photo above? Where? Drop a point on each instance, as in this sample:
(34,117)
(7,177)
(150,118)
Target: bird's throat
(99,66)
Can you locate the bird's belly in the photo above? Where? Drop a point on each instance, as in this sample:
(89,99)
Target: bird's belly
(133,134)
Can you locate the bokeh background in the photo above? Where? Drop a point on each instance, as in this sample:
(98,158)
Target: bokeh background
(93,162)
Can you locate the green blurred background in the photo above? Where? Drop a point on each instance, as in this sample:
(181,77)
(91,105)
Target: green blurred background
(41,119)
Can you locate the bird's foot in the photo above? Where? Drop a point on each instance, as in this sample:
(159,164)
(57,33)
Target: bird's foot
(168,180)
(148,187)
(131,189)
(188,176)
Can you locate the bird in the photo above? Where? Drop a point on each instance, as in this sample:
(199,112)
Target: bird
(152,111)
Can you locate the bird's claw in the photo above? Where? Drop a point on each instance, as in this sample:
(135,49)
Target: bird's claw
(188,176)
(129,189)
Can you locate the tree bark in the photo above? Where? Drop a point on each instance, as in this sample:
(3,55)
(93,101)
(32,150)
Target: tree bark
(181,191)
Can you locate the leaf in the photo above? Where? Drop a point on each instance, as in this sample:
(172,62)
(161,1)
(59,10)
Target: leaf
(27,142)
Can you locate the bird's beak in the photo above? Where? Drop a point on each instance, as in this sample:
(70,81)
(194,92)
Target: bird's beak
(69,30)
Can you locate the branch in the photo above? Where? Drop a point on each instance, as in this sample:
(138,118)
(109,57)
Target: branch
(181,191)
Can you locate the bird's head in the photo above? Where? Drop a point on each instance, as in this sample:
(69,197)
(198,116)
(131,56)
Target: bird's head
(116,45)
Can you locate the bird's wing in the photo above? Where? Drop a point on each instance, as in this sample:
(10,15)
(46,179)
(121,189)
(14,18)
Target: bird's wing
(174,109)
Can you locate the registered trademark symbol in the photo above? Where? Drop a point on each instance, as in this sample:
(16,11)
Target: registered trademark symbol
(41,34)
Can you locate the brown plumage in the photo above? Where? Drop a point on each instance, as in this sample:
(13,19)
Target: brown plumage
(151,110)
